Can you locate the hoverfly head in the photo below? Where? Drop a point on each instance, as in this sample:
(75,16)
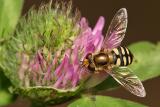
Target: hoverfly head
(87,60)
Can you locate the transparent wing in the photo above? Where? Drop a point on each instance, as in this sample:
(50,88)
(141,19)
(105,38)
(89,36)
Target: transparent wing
(128,80)
(117,29)
(95,78)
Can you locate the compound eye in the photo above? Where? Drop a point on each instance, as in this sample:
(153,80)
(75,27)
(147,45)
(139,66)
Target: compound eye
(91,67)
(88,56)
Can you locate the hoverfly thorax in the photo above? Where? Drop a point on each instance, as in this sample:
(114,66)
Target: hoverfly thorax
(101,59)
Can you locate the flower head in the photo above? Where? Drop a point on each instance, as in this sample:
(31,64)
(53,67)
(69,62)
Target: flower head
(49,46)
(46,69)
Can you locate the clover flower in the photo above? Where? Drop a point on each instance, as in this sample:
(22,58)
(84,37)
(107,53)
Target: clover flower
(46,51)
(45,71)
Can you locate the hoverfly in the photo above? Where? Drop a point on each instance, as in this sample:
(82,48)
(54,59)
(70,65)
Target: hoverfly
(114,58)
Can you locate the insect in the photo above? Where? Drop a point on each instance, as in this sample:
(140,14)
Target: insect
(114,58)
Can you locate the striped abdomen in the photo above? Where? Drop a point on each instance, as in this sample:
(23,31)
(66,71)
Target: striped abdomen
(122,56)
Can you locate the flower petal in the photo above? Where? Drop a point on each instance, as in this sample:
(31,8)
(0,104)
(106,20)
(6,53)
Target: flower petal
(74,56)
(84,23)
(68,75)
(75,77)
(59,69)
(59,81)
(99,25)
(51,66)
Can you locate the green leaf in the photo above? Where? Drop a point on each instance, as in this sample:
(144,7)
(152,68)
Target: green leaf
(5,96)
(147,60)
(9,14)
(10,11)
(4,81)
(145,65)
(104,101)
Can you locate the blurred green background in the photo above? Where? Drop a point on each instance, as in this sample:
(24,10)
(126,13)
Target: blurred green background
(143,24)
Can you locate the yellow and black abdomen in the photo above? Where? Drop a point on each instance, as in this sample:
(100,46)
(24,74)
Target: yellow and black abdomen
(122,56)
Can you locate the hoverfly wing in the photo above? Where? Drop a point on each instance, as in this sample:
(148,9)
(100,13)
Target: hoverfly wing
(128,80)
(116,30)
(95,79)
